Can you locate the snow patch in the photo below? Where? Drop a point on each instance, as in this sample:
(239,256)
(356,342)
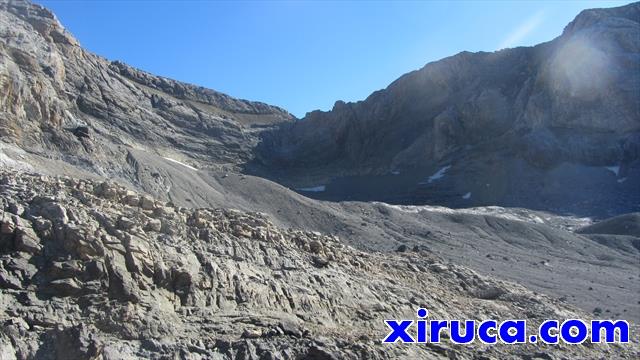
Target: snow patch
(566,222)
(395,172)
(467,196)
(6,161)
(620,181)
(9,162)
(613,169)
(319,188)
(437,176)
(181,163)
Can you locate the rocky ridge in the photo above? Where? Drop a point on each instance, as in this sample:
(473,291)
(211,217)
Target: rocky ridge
(104,270)
(535,127)
(525,127)
(91,270)
(61,102)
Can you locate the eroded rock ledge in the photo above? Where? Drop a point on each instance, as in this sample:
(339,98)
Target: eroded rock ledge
(92,270)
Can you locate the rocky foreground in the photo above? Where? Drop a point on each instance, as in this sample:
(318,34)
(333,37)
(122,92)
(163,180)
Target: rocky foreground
(91,270)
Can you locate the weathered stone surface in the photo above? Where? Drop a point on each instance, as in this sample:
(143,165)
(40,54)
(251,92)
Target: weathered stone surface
(53,212)
(27,240)
(91,269)
(124,223)
(214,291)
(65,103)
(509,123)
(153,225)
(147,203)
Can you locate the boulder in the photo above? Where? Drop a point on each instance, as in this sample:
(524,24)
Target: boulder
(27,240)
(153,225)
(54,212)
(125,224)
(147,203)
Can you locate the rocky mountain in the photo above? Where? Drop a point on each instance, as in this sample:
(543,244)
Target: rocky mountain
(61,102)
(119,237)
(93,270)
(554,126)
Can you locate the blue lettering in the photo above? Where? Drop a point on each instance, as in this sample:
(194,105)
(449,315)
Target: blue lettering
(483,331)
(435,327)
(545,332)
(398,331)
(422,325)
(609,328)
(518,335)
(579,337)
(469,329)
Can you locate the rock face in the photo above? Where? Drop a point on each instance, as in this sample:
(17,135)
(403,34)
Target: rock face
(510,124)
(62,102)
(627,224)
(526,127)
(87,273)
(146,265)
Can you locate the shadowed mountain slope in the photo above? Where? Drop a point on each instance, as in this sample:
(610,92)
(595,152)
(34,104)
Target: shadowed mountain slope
(555,127)
(513,127)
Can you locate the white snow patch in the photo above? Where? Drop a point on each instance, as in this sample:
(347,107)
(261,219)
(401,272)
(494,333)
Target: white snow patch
(467,196)
(6,161)
(181,163)
(620,181)
(437,176)
(319,188)
(613,169)
(497,211)
(10,162)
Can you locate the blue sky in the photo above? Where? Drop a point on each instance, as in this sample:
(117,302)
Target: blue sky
(304,56)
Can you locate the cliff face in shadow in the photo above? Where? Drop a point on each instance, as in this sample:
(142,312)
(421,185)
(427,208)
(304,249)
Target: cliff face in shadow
(551,113)
(127,230)
(552,127)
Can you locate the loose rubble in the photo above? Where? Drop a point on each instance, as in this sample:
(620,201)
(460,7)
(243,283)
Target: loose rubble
(92,270)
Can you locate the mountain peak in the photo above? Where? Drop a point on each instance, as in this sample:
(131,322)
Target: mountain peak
(41,19)
(573,100)
(616,16)
(118,239)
